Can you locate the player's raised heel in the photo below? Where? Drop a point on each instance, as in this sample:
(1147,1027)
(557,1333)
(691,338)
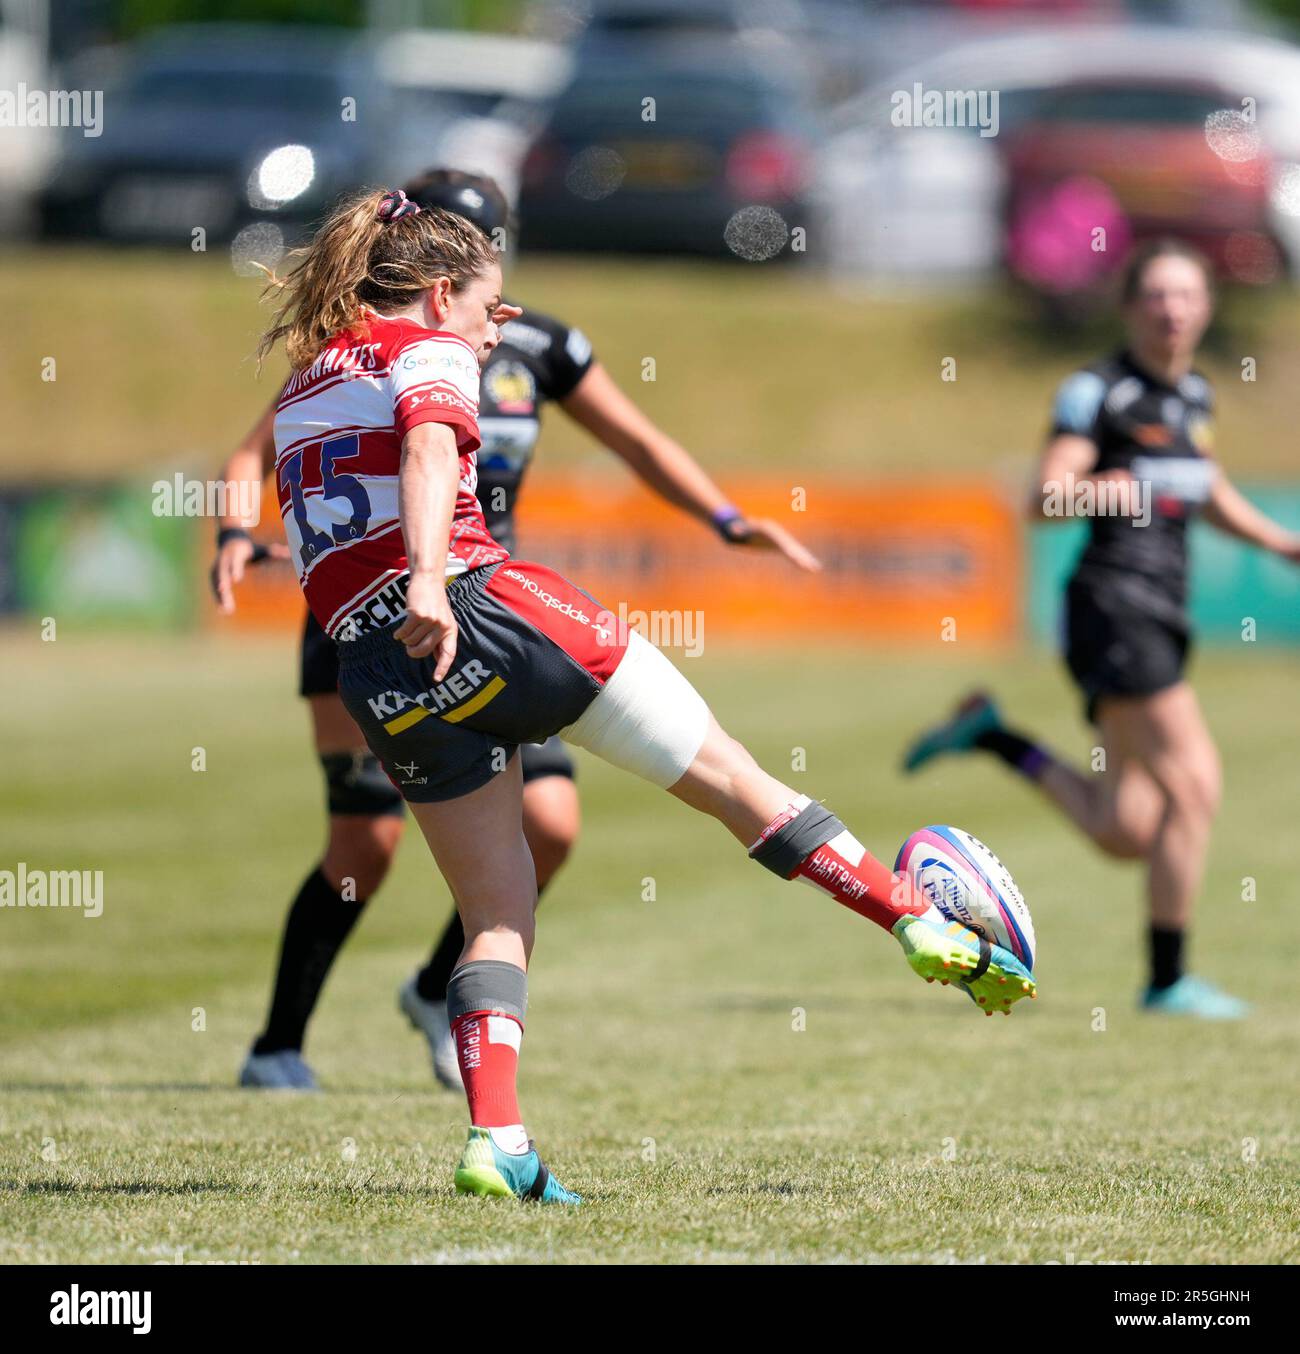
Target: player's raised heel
(486,1171)
(992,977)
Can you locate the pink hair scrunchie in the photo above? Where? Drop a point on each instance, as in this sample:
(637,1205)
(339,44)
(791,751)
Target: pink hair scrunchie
(395,205)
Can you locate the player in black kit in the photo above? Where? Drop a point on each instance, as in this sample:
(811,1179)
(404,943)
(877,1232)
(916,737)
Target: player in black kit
(1130,447)
(539,361)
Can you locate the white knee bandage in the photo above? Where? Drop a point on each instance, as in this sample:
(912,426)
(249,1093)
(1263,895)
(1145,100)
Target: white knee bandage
(648,718)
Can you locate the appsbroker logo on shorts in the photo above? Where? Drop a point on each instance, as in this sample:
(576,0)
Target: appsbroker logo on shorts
(549,599)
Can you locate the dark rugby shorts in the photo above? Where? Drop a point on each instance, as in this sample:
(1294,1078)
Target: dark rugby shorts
(532,652)
(318,666)
(1116,650)
(318,675)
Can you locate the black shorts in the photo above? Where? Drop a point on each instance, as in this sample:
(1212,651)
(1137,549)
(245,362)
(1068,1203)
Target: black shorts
(1113,649)
(318,669)
(319,676)
(530,657)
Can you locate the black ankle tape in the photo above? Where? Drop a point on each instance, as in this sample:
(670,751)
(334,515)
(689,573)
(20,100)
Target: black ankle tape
(986,955)
(787,848)
(538,1187)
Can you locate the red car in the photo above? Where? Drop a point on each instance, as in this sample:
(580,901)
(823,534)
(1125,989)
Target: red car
(1148,159)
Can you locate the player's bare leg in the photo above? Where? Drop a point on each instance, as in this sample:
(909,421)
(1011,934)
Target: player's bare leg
(1118,807)
(478,843)
(1166,734)
(552,816)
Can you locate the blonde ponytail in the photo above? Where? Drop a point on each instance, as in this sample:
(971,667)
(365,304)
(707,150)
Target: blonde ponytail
(377,250)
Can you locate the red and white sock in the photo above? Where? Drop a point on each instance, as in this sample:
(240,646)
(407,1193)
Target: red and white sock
(487,1046)
(840,865)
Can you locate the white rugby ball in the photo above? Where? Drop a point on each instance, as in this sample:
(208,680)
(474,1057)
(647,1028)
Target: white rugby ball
(969,884)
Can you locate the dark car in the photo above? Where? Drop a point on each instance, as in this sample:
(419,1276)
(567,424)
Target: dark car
(660,156)
(218,126)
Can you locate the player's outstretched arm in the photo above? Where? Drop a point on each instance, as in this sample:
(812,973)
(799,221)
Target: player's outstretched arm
(1232,513)
(250,463)
(597,404)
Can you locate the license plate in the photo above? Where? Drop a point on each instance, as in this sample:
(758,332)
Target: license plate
(666,164)
(165,206)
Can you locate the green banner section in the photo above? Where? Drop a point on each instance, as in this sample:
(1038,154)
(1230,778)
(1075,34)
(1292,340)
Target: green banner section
(1231,581)
(99,556)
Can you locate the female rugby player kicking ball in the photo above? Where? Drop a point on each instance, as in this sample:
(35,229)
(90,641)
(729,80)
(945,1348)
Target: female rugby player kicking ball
(1138,426)
(538,361)
(452,653)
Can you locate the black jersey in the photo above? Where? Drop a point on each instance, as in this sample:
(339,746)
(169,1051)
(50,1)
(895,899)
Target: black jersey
(1162,434)
(538,359)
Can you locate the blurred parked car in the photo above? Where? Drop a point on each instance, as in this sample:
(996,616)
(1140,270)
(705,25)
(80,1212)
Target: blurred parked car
(1157,144)
(657,156)
(220,125)
(469,101)
(1187,130)
(825,41)
(25,151)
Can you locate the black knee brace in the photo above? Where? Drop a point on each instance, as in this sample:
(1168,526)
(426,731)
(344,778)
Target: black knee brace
(356,785)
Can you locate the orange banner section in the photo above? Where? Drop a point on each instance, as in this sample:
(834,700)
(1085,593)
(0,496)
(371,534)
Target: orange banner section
(908,561)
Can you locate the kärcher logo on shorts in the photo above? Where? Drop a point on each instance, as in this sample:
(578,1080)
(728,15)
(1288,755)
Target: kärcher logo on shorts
(456,687)
(458,696)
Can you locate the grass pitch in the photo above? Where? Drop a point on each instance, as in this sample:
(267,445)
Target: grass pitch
(734,1071)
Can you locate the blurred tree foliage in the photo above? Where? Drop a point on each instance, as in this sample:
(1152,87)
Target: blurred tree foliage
(137,16)
(1286,10)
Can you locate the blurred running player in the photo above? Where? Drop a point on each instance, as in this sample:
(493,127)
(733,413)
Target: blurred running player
(540,360)
(452,653)
(1131,435)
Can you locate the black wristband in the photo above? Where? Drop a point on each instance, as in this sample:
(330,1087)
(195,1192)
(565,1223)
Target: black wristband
(225,534)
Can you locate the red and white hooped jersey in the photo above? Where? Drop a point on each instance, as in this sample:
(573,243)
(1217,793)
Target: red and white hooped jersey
(339,426)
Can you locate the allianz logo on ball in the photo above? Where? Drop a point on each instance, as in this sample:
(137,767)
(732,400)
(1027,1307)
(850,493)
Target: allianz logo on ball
(969,884)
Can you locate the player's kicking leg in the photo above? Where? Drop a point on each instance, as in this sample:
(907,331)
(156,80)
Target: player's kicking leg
(650,720)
